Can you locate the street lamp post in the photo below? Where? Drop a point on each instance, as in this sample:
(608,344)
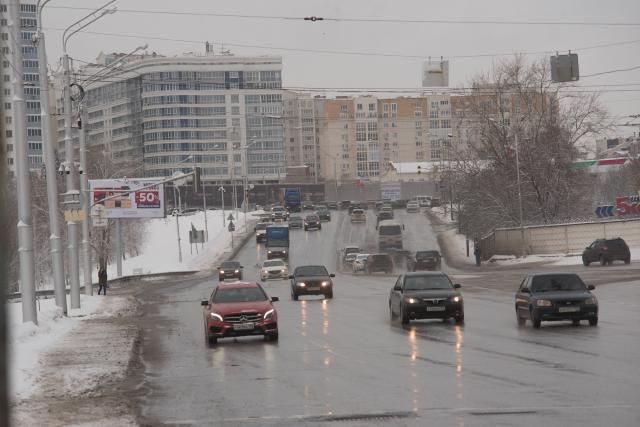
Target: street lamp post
(23,183)
(222,190)
(72,226)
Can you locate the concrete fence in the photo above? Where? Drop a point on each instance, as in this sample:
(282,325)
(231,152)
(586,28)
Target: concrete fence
(559,238)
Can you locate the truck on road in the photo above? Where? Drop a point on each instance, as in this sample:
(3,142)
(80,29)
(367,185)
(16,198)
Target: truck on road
(277,241)
(292,199)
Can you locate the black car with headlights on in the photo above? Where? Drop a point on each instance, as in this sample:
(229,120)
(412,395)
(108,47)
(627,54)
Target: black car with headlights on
(312,222)
(311,280)
(230,270)
(425,295)
(555,296)
(323,213)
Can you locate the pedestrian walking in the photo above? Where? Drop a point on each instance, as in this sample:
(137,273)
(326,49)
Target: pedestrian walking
(102,280)
(477,252)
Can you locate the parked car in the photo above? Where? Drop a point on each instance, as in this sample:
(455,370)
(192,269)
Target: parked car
(332,205)
(360,263)
(274,269)
(605,251)
(425,295)
(424,260)
(555,296)
(413,207)
(261,231)
(379,262)
(239,309)
(230,270)
(323,213)
(311,280)
(358,215)
(312,222)
(296,222)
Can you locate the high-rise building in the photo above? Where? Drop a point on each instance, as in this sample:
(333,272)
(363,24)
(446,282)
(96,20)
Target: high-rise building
(162,110)
(300,133)
(28,25)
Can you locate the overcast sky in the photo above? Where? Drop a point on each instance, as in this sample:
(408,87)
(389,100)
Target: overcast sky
(323,70)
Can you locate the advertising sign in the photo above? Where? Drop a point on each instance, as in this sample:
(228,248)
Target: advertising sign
(390,190)
(134,197)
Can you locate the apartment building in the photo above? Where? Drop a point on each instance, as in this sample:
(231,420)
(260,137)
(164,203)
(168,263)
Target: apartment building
(300,129)
(28,25)
(171,113)
(359,137)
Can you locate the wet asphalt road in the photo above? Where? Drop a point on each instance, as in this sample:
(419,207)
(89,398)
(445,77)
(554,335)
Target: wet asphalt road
(342,362)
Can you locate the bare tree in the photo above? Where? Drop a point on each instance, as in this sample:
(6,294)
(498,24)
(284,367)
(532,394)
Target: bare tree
(517,100)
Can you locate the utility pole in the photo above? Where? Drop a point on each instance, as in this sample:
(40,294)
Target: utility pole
(177,215)
(84,198)
(315,146)
(55,240)
(23,183)
(524,251)
(204,202)
(222,190)
(118,247)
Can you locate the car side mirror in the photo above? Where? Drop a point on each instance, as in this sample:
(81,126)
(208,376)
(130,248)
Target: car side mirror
(332,275)
(275,299)
(525,290)
(290,276)
(204,302)
(403,226)
(242,266)
(457,286)
(397,288)
(591,287)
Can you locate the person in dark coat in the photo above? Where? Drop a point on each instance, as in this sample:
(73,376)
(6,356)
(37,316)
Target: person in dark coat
(477,252)
(102,280)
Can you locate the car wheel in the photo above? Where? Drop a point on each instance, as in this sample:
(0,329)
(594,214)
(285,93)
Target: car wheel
(329,295)
(585,261)
(627,260)
(294,297)
(593,321)
(404,317)
(575,322)
(262,279)
(391,313)
(603,261)
(536,322)
(212,340)
(240,277)
(271,337)
(521,320)
(459,319)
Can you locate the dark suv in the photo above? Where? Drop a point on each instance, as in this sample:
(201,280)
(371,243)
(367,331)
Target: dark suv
(311,280)
(379,262)
(605,251)
(424,260)
(230,270)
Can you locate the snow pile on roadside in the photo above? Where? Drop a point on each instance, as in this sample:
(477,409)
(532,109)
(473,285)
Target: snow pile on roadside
(439,211)
(159,253)
(27,342)
(553,259)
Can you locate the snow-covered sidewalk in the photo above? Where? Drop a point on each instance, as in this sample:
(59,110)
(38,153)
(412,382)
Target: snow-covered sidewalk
(28,342)
(159,253)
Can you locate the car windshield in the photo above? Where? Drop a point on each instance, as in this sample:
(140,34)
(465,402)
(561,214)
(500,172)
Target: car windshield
(424,283)
(278,209)
(224,295)
(261,226)
(550,283)
(230,264)
(312,270)
(312,217)
(362,257)
(273,264)
(390,230)
(426,254)
(358,211)
(295,219)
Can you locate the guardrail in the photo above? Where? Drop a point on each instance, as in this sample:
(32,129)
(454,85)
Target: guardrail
(49,293)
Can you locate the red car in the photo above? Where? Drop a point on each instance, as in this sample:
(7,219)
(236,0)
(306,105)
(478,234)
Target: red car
(239,309)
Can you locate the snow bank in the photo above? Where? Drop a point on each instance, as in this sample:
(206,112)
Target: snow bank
(27,342)
(159,253)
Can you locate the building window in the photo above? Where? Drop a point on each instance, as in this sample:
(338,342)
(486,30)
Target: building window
(372,107)
(235,99)
(394,107)
(8,133)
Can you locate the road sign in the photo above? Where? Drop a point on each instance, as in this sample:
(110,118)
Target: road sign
(99,222)
(75,215)
(99,216)
(129,197)
(605,211)
(230,217)
(232,226)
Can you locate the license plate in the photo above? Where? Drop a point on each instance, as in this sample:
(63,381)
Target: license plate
(435,308)
(314,289)
(243,326)
(568,309)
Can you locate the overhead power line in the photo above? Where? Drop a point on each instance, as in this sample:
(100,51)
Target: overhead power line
(365,20)
(354,53)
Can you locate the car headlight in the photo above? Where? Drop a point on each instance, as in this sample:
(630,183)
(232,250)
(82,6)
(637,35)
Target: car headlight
(543,303)
(457,298)
(283,271)
(265,271)
(591,301)
(411,300)
(237,271)
(269,313)
(284,252)
(221,271)
(216,316)
(302,284)
(324,284)
(268,252)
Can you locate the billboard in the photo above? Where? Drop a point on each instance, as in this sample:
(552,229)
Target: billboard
(390,190)
(134,197)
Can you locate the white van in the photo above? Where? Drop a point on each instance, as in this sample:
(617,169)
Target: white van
(423,201)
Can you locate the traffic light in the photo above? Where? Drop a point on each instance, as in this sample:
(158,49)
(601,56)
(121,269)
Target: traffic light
(196,179)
